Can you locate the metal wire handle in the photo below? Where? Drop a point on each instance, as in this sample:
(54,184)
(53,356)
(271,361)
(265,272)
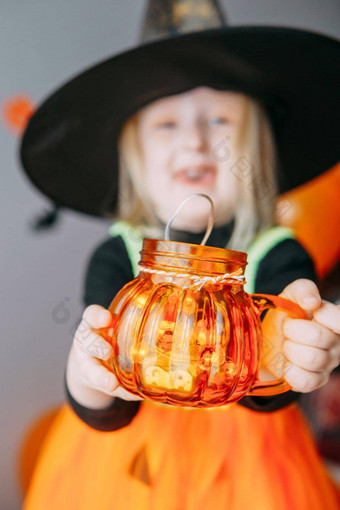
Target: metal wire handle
(210,221)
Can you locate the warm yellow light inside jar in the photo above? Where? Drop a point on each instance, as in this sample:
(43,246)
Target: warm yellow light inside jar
(184,331)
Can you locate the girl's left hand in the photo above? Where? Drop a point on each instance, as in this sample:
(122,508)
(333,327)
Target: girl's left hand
(310,347)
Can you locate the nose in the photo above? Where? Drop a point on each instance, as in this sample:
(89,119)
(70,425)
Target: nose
(194,137)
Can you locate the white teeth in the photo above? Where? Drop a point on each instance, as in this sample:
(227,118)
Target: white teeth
(195,173)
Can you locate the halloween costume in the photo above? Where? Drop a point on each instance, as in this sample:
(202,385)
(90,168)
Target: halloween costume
(217,458)
(278,259)
(168,457)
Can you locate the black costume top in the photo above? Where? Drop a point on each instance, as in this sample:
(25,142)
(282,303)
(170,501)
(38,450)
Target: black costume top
(110,269)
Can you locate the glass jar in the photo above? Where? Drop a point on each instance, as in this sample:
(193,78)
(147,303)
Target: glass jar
(184,332)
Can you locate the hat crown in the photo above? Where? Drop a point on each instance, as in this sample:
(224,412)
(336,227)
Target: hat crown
(169,18)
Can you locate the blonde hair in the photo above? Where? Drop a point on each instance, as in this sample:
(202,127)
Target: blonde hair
(254,167)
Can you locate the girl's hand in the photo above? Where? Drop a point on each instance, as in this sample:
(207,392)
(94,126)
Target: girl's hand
(310,349)
(89,382)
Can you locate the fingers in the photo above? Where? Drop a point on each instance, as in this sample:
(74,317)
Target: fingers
(308,333)
(311,349)
(88,341)
(125,395)
(328,315)
(88,348)
(310,358)
(302,380)
(92,344)
(303,292)
(96,317)
(96,375)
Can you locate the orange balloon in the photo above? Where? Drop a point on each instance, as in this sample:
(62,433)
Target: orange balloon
(313,212)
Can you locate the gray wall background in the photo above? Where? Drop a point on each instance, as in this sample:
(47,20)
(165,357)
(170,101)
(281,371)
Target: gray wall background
(43,43)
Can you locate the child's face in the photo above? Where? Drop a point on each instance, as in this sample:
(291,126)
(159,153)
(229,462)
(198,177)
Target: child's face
(188,146)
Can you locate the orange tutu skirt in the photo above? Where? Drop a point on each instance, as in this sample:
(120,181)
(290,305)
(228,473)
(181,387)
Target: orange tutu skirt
(173,458)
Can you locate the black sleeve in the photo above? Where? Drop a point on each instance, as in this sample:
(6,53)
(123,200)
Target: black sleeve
(116,416)
(109,269)
(286,262)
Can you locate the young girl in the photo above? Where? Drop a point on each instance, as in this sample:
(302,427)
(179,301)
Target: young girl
(167,153)
(200,138)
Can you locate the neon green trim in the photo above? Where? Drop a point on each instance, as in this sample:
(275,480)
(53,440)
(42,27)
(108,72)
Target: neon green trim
(259,248)
(133,241)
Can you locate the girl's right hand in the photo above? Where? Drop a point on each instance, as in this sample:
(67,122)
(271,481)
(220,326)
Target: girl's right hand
(88,380)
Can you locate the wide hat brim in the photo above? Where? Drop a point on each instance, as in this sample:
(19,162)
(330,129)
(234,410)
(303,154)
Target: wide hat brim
(69,149)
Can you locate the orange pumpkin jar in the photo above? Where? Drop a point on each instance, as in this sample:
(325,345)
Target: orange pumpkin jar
(185,332)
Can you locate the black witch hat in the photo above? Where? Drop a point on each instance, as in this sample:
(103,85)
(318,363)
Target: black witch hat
(69,149)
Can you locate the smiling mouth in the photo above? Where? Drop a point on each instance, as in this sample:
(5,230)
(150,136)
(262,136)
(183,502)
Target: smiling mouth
(203,175)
